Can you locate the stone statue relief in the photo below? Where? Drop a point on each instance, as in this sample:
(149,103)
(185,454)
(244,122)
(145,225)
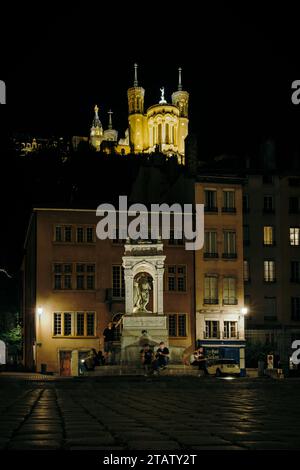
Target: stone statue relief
(141,293)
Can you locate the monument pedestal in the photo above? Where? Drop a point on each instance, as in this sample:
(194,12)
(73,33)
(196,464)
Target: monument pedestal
(140,329)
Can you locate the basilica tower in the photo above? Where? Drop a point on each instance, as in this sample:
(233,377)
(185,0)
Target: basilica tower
(136,96)
(180,99)
(96,135)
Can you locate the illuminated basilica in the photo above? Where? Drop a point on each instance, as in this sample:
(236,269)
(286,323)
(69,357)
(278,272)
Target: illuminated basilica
(162,127)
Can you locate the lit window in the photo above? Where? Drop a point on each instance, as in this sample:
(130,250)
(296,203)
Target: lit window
(211,289)
(229,291)
(212,329)
(210,244)
(269,236)
(230,329)
(57,324)
(269,271)
(228,200)
(229,244)
(294,236)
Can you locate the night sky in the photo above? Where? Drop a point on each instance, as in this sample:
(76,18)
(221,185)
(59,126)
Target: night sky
(238,65)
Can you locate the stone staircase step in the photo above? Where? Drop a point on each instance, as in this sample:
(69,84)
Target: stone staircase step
(114,370)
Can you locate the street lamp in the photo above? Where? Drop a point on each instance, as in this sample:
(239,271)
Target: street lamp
(244,311)
(40,311)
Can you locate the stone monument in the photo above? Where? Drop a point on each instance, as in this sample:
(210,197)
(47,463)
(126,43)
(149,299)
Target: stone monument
(144,320)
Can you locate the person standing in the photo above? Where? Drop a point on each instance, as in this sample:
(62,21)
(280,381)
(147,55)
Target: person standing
(109,338)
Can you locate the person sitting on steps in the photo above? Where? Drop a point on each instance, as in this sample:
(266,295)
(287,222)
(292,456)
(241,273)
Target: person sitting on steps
(162,357)
(147,356)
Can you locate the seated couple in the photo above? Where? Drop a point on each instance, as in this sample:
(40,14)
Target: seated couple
(154,362)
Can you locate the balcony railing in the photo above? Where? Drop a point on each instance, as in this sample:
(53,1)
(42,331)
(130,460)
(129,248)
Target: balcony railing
(211,301)
(210,209)
(229,255)
(210,255)
(219,335)
(235,335)
(213,335)
(229,210)
(230,301)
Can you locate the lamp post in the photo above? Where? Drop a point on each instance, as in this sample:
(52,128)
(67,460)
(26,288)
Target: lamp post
(243,313)
(39,312)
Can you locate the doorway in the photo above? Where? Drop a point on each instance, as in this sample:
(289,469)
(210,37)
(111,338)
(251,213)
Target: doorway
(65,363)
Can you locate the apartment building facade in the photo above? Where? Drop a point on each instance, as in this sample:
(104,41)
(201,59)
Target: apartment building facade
(73,285)
(219,288)
(271,206)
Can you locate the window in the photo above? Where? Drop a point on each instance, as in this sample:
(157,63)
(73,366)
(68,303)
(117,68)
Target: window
(230,329)
(229,291)
(246,235)
(67,324)
(294,206)
(78,324)
(269,271)
(62,276)
(268,204)
(295,271)
(294,236)
(181,278)
(177,325)
(118,281)
(212,329)
(80,282)
(210,244)
(176,278)
(90,323)
(246,271)
(295,308)
(229,244)
(228,200)
(211,295)
(80,235)
(85,276)
(246,207)
(90,276)
(210,200)
(269,236)
(57,324)
(270,309)
(58,234)
(68,233)
(63,233)
(90,234)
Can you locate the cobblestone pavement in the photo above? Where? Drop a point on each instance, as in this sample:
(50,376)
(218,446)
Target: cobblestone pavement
(163,413)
